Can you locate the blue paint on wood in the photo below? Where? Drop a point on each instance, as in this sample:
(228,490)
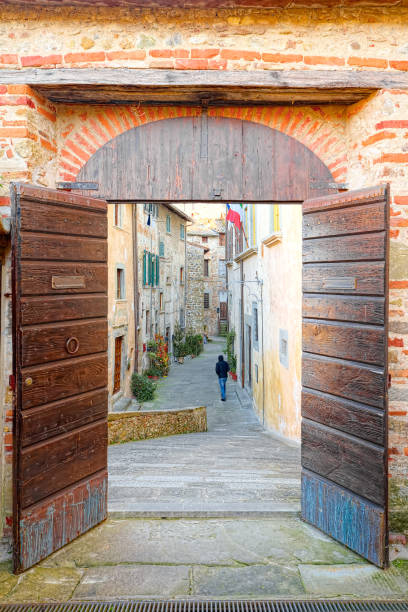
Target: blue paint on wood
(47,528)
(348,518)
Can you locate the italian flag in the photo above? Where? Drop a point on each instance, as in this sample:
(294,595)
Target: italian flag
(235,214)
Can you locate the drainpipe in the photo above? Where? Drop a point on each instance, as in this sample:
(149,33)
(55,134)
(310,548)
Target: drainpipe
(242,325)
(135,287)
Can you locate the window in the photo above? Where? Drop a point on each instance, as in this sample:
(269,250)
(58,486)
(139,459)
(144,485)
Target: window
(161,249)
(181,276)
(147,322)
(206,267)
(151,269)
(256,324)
(168,224)
(222,239)
(151,209)
(120,283)
(161,301)
(182,321)
(222,270)
(204,239)
(118,213)
(182,232)
(206,300)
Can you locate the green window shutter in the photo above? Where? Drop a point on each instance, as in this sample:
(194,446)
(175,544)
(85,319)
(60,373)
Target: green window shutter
(144,267)
(182,232)
(168,224)
(157,270)
(150,268)
(161,248)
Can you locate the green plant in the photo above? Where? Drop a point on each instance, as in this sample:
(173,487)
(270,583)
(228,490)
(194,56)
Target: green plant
(229,348)
(152,346)
(142,388)
(159,358)
(233,364)
(178,342)
(194,344)
(153,371)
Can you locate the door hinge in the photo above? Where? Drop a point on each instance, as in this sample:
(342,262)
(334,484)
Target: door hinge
(84,186)
(12,382)
(327,185)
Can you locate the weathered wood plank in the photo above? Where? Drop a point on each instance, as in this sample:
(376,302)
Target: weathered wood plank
(37,277)
(350,417)
(353,342)
(203,4)
(348,518)
(349,220)
(58,247)
(347,278)
(53,342)
(61,518)
(53,308)
(63,379)
(344,308)
(347,461)
(54,465)
(65,198)
(44,217)
(348,199)
(345,248)
(59,417)
(360,383)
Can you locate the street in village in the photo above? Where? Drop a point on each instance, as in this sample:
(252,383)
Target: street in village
(208,515)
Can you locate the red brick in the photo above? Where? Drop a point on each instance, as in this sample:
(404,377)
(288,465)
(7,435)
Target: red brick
(77,150)
(191,64)
(8,58)
(395,342)
(161,53)
(399,285)
(281,58)
(400,222)
(181,53)
(400,373)
(4,201)
(392,123)
(95,56)
(19,89)
(339,172)
(162,63)
(368,62)
(322,59)
(47,114)
(236,55)
(394,233)
(399,64)
(126,55)
(14,132)
(401,200)
(47,145)
(394,158)
(204,53)
(8,438)
(397,413)
(217,64)
(384,135)
(40,60)
(3,89)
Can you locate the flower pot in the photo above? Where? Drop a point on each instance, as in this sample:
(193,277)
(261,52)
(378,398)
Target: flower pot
(180,359)
(234,376)
(153,377)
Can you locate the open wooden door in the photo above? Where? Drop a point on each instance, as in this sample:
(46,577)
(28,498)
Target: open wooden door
(59,250)
(344,371)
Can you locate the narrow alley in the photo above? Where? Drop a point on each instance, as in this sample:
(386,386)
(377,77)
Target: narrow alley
(235,468)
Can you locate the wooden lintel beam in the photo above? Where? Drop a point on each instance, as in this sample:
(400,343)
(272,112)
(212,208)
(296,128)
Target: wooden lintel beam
(127,85)
(320,79)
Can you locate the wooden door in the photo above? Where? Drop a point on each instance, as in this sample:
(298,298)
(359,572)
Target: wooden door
(59,253)
(344,371)
(223,311)
(118,364)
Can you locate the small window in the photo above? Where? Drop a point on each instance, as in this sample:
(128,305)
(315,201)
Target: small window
(120,283)
(161,248)
(118,212)
(147,322)
(222,239)
(161,301)
(182,232)
(206,267)
(168,224)
(206,300)
(222,270)
(256,329)
(205,239)
(181,276)
(182,321)
(151,209)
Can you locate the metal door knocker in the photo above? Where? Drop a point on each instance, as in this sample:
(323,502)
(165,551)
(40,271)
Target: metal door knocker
(72,345)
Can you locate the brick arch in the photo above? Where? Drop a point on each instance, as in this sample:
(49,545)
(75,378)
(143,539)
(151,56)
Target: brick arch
(84,131)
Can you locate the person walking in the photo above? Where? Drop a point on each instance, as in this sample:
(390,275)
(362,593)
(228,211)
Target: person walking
(222,369)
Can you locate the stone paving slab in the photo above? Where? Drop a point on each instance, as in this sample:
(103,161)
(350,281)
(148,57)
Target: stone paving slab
(236,466)
(121,582)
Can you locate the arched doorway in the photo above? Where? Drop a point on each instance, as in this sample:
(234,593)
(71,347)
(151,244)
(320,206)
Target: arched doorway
(218,159)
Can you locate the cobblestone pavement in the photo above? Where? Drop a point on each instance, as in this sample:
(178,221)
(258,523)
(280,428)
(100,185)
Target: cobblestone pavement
(235,467)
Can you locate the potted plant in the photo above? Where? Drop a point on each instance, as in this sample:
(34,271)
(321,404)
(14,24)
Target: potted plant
(142,388)
(179,344)
(233,368)
(153,373)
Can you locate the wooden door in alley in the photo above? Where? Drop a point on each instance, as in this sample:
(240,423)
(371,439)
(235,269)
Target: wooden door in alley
(344,369)
(59,251)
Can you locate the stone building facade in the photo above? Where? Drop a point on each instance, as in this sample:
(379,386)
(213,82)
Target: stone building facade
(195,287)
(363,142)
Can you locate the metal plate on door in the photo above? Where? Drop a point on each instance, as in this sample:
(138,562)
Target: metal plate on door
(343,282)
(68,282)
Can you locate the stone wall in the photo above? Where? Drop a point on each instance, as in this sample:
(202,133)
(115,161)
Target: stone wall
(140,425)
(195,287)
